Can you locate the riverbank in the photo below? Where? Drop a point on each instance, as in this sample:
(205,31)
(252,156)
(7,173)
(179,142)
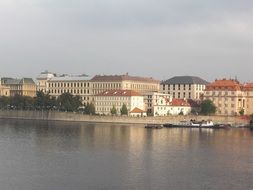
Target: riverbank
(66,116)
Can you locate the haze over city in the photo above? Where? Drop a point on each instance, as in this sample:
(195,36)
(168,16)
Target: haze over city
(156,38)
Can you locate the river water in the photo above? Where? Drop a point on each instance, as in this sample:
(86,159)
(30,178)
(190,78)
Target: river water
(73,156)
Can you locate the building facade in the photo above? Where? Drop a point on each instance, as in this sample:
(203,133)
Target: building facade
(184,87)
(101,83)
(154,101)
(23,87)
(76,85)
(4,90)
(106,100)
(42,81)
(230,97)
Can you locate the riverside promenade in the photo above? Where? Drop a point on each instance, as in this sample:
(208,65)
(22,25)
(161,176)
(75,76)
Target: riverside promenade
(79,117)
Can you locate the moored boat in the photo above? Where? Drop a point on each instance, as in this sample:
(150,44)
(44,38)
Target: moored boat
(154,126)
(197,124)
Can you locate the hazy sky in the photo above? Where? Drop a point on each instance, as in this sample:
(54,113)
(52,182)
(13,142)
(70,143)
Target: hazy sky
(158,38)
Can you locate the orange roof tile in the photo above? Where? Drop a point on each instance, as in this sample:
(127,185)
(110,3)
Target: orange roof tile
(224,84)
(179,102)
(137,110)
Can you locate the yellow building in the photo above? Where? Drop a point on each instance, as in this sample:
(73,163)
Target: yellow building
(78,85)
(248,90)
(134,102)
(101,83)
(23,87)
(230,97)
(4,90)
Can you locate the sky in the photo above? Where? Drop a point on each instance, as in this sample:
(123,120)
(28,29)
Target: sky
(211,39)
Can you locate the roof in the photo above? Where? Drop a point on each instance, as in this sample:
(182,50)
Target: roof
(71,78)
(11,81)
(137,110)
(119,93)
(179,102)
(185,80)
(45,75)
(224,84)
(119,78)
(247,87)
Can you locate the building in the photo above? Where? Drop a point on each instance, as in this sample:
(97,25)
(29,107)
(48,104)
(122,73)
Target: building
(108,99)
(248,90)
(155,101)
(4,90)
(184,87)
(77,85)
(42,81)
(23,87)
(101,83)
(230,97)
(159,104)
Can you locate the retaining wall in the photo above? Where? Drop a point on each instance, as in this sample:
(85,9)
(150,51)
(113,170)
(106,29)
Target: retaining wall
(66,116)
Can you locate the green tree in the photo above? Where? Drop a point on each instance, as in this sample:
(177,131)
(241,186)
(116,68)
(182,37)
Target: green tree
(68,102)
(90,109)
(113,110)
(44,101)
(207,107)
(4,102)
(241,112)
(124,110)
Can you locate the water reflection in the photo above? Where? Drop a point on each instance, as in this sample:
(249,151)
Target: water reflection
(62,155)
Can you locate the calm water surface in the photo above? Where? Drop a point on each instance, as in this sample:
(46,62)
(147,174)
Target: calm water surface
(57,155)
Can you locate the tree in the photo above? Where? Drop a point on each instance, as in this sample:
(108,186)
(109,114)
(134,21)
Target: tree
(90,109)
(68,102)
(241,112)
(207,107)
(4,102)
(113,110)
(124,110)
(44,101)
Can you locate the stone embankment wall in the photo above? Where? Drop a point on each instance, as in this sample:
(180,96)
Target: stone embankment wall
(64,116)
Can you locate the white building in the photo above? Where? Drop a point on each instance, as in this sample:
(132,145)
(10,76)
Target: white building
(159,104)
(106,100)
(155,99)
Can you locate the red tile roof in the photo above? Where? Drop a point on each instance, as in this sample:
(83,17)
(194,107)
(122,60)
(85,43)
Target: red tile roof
(115,78)
(247,87)
(137,110)
(179,102)
(224,84)
(119,93)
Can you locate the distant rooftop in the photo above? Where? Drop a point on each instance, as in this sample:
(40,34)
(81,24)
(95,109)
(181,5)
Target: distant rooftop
(71,78)
(115,78)
(11,81)
(185,80)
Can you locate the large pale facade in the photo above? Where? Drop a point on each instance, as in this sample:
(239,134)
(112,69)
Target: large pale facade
(42,81)
(23,87)
(188,87)
(4,90)
(101,83)
(230,97)
(105,101)
(75,85)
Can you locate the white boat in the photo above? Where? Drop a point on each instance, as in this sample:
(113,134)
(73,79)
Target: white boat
(192,124)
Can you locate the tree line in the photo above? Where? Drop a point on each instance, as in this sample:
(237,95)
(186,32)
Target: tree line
(65,102)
